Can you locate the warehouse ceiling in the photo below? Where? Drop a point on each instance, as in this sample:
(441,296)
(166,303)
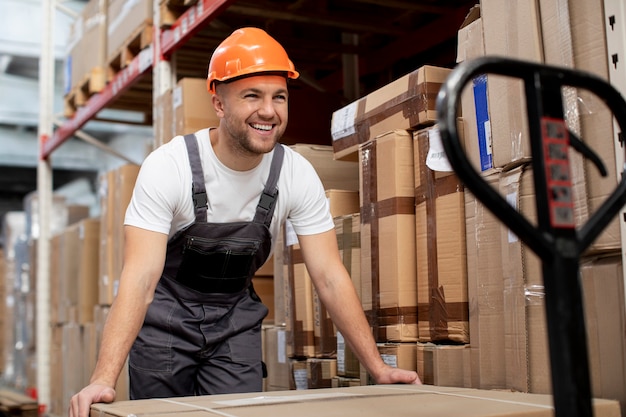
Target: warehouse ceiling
(342,47)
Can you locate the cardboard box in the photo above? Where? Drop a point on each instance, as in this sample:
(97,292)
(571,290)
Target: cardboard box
(126,20)
(348,229)
(525,326)
(342,202)
(474,101)
(485,291)
(441,260)
(116,189)
(365,401)
(388,267)
(298,292)
(335,175)
(164,126)
(444,365)
(406,103)
(511,29)
(602,280)
(88,266)
(276,359)
(193,108)
(87,49)
(320,372)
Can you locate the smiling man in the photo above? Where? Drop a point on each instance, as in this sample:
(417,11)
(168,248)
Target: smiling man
(203,217)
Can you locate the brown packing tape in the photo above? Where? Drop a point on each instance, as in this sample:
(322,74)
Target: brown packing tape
(369,213)
(439,312)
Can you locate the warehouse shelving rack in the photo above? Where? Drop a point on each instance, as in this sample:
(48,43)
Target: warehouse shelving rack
(155,59)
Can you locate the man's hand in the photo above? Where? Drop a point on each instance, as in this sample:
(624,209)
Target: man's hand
(391,375)
(80,403)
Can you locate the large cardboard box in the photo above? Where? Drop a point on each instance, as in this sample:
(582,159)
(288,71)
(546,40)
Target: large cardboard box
(276,359)
(348,229)
(320,372)
(444,365)
(602,280)
(298,290)
(511,29)
(364,401)
(576,44)
(116,188)
(193,109)
(388,267)
(336,175)
(87,48)
(485,291)
(441,260)
(127,20)
(525,327)
(406,103)
(88,266)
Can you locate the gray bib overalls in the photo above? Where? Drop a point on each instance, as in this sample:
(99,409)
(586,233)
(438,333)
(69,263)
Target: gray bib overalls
(202,332)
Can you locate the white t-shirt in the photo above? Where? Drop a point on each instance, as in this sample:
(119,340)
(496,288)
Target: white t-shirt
(162,202)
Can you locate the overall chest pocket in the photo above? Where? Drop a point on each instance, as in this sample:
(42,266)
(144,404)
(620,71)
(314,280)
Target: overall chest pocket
(217,265)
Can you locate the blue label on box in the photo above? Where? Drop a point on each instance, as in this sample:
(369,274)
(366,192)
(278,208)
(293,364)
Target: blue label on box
(482,122)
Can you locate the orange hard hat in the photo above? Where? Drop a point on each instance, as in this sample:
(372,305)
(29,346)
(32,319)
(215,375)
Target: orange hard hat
(248,51)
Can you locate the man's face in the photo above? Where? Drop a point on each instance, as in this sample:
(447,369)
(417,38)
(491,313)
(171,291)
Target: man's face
(254,112)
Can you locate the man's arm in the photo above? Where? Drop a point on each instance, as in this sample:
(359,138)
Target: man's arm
(335,289)
(144,258)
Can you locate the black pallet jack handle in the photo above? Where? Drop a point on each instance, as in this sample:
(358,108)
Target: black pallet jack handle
(556,239)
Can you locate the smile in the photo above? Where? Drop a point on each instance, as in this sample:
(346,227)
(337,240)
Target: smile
(263,127)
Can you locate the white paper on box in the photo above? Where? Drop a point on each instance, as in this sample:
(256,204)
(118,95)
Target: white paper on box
(341,353)
(281,354)
(391,360)
(342,123)
(177,97)
(436,158)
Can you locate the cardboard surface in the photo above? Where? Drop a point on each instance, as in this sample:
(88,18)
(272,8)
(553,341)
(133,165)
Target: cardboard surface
(365,401)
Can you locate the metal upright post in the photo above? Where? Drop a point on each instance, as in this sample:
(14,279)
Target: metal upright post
(44,199)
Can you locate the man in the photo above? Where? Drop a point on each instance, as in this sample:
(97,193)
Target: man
(200,223)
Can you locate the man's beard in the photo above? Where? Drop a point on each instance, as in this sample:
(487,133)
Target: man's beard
(244,145)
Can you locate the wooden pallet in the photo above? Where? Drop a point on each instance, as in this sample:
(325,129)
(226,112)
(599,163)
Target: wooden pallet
(18,405)
(140,39)
(171,10)
(92,83)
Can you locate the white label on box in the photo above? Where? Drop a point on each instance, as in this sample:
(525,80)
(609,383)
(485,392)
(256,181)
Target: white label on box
(391,360)
(436,158)
(177,97)
(342,123)
(281,342)
(511,198)
(300,377)
(341,354)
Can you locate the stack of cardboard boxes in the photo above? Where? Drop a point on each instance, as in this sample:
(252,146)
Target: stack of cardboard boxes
(105,38)
(441,280)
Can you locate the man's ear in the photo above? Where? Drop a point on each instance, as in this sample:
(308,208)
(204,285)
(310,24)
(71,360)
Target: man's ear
(218,105)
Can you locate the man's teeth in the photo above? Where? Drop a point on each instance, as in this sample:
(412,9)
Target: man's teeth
(262,127)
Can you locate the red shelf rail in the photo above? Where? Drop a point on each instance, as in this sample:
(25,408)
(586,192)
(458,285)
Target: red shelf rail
(122,81)
(190,22)
(181,31)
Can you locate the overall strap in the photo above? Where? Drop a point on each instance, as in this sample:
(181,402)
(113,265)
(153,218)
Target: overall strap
(198,191)
(265,208)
